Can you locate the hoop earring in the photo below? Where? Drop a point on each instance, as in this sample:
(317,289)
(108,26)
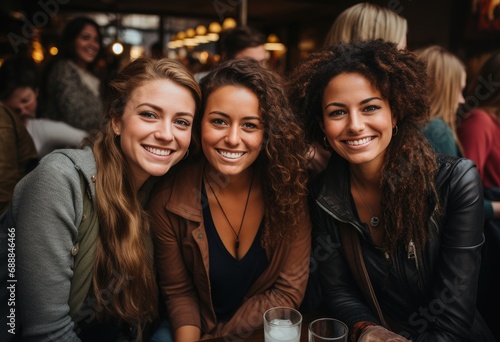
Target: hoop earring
(186,155)
(326,143)
(395,130)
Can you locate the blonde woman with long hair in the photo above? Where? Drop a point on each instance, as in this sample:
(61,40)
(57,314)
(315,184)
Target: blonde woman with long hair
(76,286)
(445,84)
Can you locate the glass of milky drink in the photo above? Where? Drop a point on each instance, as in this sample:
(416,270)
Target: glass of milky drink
(282,324)
(327,329)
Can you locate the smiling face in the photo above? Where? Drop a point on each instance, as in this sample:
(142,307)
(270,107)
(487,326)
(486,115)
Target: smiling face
(87,46)
(232,132)
(155,128)
(357,121)
(23,102)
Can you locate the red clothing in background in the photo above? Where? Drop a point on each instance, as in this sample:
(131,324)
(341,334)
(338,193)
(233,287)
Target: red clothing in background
(479,134)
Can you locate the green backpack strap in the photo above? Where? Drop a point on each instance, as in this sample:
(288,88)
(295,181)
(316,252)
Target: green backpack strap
(83,252)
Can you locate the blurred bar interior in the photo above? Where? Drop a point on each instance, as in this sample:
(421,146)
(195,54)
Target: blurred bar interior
(189,29)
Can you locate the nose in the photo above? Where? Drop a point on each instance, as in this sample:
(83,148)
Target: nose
(164,131)
(356,122)
(461,99)
(233,136)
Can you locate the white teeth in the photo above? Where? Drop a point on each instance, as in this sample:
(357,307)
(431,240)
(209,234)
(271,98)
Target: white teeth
(231,155)
(359,142)
(157,151)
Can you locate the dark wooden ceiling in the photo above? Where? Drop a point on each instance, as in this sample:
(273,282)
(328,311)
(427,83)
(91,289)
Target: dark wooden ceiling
(258,10)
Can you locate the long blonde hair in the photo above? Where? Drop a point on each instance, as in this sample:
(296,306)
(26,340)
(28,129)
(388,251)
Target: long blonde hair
(444,84)
(123,260)
(366,21)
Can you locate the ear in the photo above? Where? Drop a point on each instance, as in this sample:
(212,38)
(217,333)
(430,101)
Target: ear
(394,120)
(321,123)
(116,124)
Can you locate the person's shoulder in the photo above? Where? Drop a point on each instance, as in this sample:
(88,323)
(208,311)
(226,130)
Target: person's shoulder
(454,167)
(479,116)
(7,117)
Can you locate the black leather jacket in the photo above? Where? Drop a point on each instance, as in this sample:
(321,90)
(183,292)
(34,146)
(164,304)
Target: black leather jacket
(430,294)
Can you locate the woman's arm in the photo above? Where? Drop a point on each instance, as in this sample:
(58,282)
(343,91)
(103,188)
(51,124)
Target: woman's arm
(476,134)
(174,279)
(46,210)
(287,290)
(454,282)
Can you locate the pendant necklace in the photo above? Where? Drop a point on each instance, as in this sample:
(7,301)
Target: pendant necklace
(374,221)
(237,235)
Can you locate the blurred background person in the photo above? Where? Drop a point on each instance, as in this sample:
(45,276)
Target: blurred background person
(17,154)
(240,42)
(366,21)
(479,134)
(446,82)
(70,91)
(19,92)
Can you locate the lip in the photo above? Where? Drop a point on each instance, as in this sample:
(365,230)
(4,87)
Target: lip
(230,155)
(160,152)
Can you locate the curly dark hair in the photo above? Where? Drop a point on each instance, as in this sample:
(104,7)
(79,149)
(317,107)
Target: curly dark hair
(281,162)
(409,162)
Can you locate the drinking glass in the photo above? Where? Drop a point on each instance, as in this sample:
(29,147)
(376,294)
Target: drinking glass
(327,329)
(282,324)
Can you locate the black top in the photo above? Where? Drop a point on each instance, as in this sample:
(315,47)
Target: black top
(230,278)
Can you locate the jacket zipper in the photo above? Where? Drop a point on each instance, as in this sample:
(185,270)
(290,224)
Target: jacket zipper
(413,254)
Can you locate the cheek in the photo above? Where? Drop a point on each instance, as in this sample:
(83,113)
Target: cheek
(331,129)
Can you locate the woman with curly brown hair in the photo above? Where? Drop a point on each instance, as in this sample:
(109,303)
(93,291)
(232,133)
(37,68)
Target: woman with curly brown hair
(83,250)
(417,217)
(231,230)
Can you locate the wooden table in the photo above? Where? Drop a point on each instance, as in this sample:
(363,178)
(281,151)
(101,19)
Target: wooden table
(258,335)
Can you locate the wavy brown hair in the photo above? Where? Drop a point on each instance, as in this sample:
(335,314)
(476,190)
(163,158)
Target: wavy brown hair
(123,259)
(281,162)
(409,162)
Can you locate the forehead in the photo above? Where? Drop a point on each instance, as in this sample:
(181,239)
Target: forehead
(350,83)
(256,52)
(20,93)
(88,29)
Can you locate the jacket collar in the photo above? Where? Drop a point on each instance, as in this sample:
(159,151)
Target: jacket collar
(185,191)
(331,191)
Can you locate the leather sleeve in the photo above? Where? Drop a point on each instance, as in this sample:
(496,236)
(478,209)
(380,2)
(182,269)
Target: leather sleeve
(452,302)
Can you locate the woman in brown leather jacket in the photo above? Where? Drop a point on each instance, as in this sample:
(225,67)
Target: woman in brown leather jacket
(418,217)
(231,229)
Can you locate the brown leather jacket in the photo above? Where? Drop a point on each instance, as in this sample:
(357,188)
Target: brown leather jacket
(17,154)
(181,251)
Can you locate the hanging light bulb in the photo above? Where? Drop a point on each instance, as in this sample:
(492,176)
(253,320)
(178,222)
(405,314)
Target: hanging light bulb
(117,48)
(273,43)
(228,23)
(213,31)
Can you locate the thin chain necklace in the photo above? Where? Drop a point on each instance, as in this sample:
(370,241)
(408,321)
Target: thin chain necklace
(374,221)
(237,235)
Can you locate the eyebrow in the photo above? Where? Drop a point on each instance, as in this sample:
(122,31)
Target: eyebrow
(215,112)
(159,109)
(340,104)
